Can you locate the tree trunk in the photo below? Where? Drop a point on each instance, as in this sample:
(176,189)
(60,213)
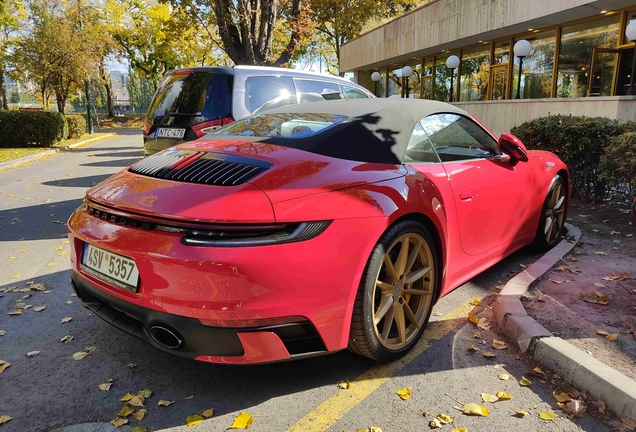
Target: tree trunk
(61,103)
(109,101)
(3,91)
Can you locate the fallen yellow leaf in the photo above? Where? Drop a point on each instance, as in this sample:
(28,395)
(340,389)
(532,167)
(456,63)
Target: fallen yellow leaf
(611,337)
(445,418)
(521,413)
(475,302)
(488,354)
(125,411)
(126,397)
(547,415)
(500,345)
(486,397)
(471,317)
(39,308)
(137,401)
(4,365)
(58,248)
(139,428)
(165,403)
(139,415)
(504,377)
(65,320)
(435,424)
(344,385)
(471,348)
(243,421)
(504,396)
(145,393)
(404,393)
(104,386)
(15,312)
(193,420)
(119,422)
(80,355)
(524,381)
(562,397)
(3,332)
(460,429)
(475,409)
(15,276)
(208,413)
(5,419)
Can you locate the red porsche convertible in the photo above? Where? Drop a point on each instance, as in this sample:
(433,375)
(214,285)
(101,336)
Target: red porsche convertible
(311,228)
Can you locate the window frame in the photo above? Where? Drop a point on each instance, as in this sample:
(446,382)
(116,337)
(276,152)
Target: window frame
(439,161)
(473,121)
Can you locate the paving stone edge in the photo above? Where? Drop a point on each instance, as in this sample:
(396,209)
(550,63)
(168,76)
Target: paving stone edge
(536,342)
(20,161)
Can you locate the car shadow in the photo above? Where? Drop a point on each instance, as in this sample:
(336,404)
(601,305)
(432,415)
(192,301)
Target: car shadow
(113,163)
(82,182)
(37,222)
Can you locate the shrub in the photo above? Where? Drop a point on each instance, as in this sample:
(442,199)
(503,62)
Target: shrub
(579,142)
(618,164)
(76,126)
(31,128)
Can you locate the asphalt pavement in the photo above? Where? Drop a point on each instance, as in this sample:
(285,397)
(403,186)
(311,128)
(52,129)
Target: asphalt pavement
(51,390)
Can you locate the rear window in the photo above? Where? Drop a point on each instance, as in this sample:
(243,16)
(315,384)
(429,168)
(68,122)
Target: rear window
(282,125)
(266,92)
(312,90)
(190,99)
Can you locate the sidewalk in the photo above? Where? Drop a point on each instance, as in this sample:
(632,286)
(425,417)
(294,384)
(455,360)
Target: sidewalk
(52,151)
(556,328)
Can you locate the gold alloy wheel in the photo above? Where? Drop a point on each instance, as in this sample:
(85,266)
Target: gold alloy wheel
(403,291)
(555,213)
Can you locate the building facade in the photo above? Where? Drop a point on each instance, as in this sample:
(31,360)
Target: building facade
(121,98)
(580,63)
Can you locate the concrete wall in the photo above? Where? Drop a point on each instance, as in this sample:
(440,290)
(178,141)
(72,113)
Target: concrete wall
(448,24)
(501,116)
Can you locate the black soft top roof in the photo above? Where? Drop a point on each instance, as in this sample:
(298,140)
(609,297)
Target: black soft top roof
(377,130)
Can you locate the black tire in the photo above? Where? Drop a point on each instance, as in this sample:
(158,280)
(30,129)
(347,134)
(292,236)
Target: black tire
(364,337)
(542,241)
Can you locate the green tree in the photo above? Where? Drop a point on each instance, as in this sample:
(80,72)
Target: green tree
(343,20)
(12,19)
(139,92)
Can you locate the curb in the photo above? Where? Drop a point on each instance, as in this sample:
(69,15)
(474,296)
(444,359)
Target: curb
(535,341)
(16,162)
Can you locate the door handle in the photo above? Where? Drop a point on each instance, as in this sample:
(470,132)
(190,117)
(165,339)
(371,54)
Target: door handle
(467,195)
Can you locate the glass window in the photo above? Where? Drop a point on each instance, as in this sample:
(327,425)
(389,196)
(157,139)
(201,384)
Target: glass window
(427,78)
(419,148)
(414,82)
(276,91)
(502,52)
(457,138)
(536,76)
(282,125)
(395,82)
(475,68)
(353,93)
(575,54)
(442,79)
(313,90)
(189,99)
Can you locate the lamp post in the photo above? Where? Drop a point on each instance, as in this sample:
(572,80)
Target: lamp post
(522,49)
(452,63)
(630,32)
(375,77)
(407,71)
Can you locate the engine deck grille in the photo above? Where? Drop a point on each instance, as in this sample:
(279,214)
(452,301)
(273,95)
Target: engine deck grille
(200,167)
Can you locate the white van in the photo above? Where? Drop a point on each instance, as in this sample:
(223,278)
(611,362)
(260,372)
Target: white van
(192,102)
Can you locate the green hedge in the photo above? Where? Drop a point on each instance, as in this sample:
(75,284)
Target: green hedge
(76,126)
(618,164)
(31,128)
(579,142)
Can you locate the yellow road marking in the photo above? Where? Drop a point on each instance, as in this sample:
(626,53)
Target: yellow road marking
(334,408)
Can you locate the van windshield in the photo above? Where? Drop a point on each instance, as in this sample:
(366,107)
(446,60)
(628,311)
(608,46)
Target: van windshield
(192,98)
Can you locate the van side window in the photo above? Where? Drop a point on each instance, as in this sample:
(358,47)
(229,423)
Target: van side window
(313,91)
(353,93)
(274,91)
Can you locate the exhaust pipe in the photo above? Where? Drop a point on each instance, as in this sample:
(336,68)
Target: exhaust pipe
(165,337)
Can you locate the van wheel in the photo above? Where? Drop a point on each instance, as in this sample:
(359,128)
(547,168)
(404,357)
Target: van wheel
(396,294)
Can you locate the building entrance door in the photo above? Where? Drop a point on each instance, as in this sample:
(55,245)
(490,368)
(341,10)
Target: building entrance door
(603,70)
(625,71)
(498,86)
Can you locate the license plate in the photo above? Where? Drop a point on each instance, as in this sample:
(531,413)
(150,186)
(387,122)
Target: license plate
(170,133)
(109,267)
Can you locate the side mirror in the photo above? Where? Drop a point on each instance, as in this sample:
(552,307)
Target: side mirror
(511,145)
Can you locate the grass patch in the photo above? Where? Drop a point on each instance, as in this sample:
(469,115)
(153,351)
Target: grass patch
(80,139)
(127,121)
(9,154)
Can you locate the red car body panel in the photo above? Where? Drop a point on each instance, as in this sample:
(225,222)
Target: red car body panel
(479,210)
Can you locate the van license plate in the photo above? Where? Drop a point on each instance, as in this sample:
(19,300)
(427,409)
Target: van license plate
(111,268)
(170,133)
